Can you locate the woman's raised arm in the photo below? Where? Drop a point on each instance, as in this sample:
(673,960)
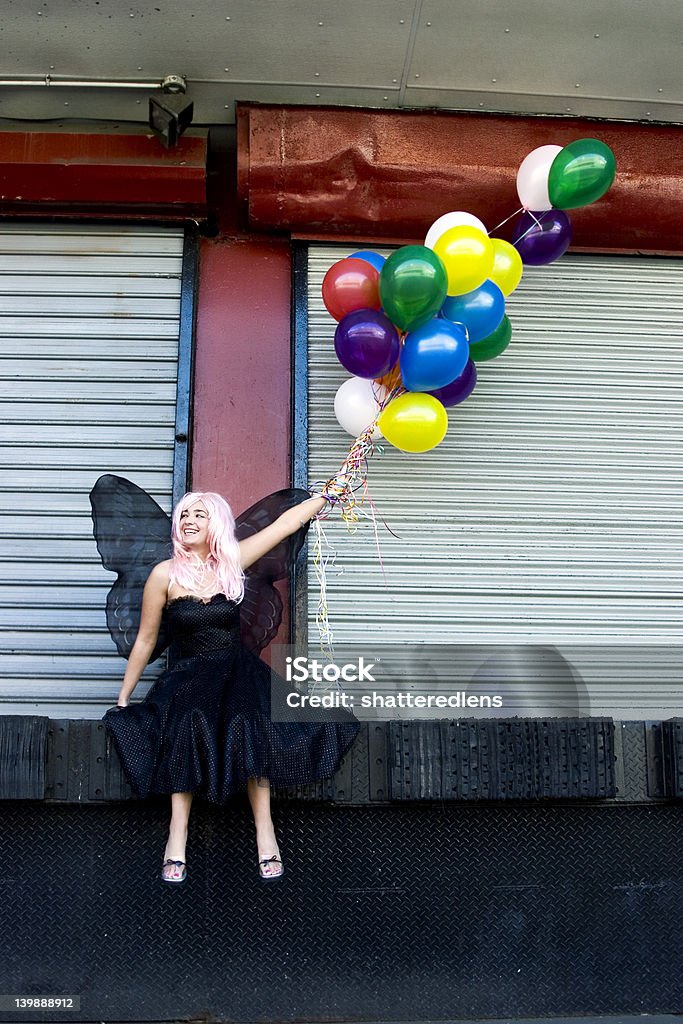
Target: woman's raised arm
(253,548)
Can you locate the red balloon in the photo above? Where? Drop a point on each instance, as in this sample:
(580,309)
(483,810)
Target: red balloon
(349,285)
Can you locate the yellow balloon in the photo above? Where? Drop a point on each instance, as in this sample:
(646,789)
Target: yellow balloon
(467,255)
(414,422)
(507,266)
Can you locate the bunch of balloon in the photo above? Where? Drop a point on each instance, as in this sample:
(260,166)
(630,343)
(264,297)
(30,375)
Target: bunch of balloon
(390,337)
(412,328)
(550,181)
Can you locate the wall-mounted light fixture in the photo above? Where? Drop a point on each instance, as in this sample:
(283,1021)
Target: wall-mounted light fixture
(171,113)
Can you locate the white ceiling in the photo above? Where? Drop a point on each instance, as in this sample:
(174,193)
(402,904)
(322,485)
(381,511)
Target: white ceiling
(604,58)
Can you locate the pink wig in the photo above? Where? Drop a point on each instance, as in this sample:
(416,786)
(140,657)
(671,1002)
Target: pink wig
(224,552)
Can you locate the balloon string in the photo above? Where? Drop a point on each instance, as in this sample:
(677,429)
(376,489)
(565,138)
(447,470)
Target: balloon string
(348,491)
(532,227)
(520,210)
(323,561)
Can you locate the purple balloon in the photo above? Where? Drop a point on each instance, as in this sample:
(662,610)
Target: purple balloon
(543,242)
(460,388)
(366,343)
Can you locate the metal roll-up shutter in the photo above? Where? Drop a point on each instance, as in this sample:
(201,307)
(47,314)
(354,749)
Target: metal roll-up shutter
(89,327)
(552,512)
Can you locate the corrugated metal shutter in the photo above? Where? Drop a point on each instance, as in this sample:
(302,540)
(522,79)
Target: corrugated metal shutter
(552,512)
(89,324)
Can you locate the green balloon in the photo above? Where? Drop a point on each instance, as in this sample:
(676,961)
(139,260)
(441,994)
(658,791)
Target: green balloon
(581,173)
(412,286)
(494,344)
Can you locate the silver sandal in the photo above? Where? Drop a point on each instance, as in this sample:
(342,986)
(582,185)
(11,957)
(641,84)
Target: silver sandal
(174,881)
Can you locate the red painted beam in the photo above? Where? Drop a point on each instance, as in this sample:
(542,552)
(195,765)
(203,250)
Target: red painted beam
(387,175)
(125,174)
(242,369)
(241,429)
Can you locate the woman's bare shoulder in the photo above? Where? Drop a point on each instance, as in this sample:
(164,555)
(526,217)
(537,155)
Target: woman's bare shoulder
(161,570)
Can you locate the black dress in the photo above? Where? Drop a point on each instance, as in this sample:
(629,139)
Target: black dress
(205,725)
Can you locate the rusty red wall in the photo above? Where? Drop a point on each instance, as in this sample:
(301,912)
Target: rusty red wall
(242,348)
(242,368)
(324,172)
(241,434)
(102,175)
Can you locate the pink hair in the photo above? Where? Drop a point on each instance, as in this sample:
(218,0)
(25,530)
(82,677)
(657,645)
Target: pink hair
(224,552)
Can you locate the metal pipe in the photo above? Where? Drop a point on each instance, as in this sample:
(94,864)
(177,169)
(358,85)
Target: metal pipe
(78,83)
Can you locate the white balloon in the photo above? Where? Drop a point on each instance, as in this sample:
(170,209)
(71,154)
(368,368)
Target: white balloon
(356,406)
(451,220)
(532,178)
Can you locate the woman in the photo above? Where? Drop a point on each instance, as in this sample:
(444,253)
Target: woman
(205,724)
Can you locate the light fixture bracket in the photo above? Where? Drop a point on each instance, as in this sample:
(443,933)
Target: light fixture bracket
(171,113)
(174,83)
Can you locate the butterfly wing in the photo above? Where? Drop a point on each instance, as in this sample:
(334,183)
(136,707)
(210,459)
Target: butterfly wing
(132,534)
(261,609)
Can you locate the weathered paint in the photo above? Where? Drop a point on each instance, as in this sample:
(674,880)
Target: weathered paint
(325,172)
(101,174)
(241,433)
(242,368)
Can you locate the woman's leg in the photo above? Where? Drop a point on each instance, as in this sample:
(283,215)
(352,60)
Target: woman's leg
(266,843)
(177,833)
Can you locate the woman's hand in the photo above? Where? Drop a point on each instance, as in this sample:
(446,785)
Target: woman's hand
(309,508)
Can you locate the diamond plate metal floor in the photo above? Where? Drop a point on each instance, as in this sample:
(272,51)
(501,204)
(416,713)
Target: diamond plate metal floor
(405,913)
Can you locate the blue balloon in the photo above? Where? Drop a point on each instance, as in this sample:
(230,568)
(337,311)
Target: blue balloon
(480,311)
(433,355)
(373,258)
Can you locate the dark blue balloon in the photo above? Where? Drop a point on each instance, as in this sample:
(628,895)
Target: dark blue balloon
(460,388)
(373,258)
(433,355)
(481,311)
